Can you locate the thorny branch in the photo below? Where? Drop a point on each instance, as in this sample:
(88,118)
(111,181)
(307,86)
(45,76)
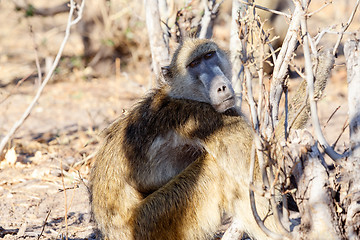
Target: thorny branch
(281,65)
(266,175)
(27,112)
(313,72)
(310,82)
(318,10)
(266,9)
(340,33)
(259,221)
(345,27)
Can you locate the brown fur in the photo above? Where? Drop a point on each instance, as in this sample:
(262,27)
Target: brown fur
(189,206)
(174,165)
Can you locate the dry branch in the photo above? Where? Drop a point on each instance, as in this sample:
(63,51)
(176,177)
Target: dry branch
(322,70)
(251,101)
(158,46)
(310,82)
(266,9)
(236,47)
(257,148)
(164,17)
(266,175)
(313,195)
(211,9)
(282,63)
(345,27)
(44,224)
(27,112)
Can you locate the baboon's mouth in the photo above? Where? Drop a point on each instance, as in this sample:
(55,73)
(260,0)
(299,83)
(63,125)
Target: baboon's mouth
(225,105)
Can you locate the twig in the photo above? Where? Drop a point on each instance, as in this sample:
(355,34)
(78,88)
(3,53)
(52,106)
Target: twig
(68,188)
(65,197)
(320,35)
(264,40)
(85,160)
(236,48)
(211,9)
(266,9)
(285,186)
(14,88)
(281,65)
(297,70)
(346,124)
(252,197)
(313,50)
(286,113)
(39,80)
(318,10)
(272,50)
(261,164)
(261,82)
(82,180)
(43,227)
(331,116)
(310,83)
(345,27)
(254,116)
(275,209)
(261,160)
(27,112)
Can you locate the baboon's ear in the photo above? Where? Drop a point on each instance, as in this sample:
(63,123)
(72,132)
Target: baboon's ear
(166,73)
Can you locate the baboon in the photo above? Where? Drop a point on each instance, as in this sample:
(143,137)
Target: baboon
(179,160)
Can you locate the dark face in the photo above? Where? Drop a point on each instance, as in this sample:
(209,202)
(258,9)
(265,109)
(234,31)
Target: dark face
(207,70)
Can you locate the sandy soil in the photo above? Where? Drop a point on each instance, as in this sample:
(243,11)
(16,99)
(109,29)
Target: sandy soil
(43,177)
(57,139)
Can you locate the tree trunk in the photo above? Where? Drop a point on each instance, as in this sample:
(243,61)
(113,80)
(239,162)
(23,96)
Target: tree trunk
(236,47)
(350,175)
(158,46)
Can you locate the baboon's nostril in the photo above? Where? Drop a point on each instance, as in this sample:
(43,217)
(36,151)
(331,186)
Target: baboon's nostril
(222,88)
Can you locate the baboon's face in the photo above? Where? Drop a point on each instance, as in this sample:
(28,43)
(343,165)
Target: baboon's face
(201,71)
(207,72)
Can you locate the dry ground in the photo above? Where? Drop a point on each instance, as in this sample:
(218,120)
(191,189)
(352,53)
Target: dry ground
(54,148)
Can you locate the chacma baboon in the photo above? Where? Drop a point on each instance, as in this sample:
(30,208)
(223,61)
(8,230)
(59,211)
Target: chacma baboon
(179,160)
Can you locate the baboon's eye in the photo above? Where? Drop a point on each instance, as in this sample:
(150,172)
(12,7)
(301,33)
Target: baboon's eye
(209,55)
(194,63)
